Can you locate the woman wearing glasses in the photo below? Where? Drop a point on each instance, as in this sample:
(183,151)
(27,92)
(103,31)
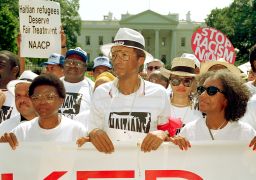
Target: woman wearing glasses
(47,94)
(223,99)
(182,80)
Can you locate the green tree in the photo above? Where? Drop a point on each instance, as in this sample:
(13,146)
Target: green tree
(236,21)
(8,25)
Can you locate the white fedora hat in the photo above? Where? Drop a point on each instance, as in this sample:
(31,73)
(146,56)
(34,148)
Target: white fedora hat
(180,67)
(26,77)
(129,38)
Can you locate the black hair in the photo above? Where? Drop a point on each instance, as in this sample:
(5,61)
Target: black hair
(50,80)
(12,59)
(235,91)
(253,57)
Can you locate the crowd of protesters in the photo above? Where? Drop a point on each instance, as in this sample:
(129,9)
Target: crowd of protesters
(134,98)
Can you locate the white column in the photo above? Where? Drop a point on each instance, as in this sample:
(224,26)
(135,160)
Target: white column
(157,44)
(173,45)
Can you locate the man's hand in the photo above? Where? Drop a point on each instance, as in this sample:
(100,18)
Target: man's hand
(101,141)
(153,140)
(253,144)
(82,140)
(180,141)
(11,139)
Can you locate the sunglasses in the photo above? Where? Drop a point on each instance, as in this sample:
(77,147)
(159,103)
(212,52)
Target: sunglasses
(187,82)
(211,90)
(151,68)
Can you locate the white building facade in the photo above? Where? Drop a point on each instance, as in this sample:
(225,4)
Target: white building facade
(165,36)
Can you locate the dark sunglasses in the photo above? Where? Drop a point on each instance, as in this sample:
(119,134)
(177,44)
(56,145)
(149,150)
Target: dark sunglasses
(185,81)
(211,90)
(151,68)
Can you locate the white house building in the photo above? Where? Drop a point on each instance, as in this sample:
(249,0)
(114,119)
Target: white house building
(166,36)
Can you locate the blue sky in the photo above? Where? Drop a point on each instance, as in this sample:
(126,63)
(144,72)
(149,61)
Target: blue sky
(199,9)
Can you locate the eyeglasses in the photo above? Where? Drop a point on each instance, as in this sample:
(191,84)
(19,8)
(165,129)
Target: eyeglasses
(211,90)
(125,56)
(187,82)
(74,62)
(151,68)
(49,98)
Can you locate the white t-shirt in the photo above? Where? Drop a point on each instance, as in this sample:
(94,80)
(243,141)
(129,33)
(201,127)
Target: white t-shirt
(8,109)
(198,131)
(67,131)
(128,117)
(187,114)
(250,114)
(251,87)
(83,118)
(78,97)
(10,124)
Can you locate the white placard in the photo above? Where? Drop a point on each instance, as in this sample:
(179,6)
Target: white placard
(40,26)
(218,160)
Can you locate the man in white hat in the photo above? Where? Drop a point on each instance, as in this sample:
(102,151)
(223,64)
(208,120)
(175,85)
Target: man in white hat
(101,64)
(19,88)
(153,65)
(128,108)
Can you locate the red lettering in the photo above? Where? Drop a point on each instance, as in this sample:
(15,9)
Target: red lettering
(7,176)
(85,175)
(154,174)
(55,175)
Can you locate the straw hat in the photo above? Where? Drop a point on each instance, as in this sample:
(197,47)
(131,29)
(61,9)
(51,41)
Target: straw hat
(129,38)
(205,66)
(180,67)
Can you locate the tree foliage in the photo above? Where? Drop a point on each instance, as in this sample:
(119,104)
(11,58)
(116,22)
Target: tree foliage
(9,22)
(236,21)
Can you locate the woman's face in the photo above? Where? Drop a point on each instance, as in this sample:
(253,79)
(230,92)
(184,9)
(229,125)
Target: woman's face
(46,101)
(182,85)
(215,102)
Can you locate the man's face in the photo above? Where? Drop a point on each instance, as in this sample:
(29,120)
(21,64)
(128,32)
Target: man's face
(125,61)
(22,100)
(55,69)
(98,70)
(5,72)
(152,66)
(74,69)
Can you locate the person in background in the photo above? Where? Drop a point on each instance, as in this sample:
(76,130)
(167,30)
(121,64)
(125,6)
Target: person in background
(128,108)
(251,75)
(182,80)
(223,99)
(101,64)
(103,78)
(54,65)
(196,61)
(158,78)
(153,65)
(78,87)
(19,88)
(9,70)
(252,84)
(47,94)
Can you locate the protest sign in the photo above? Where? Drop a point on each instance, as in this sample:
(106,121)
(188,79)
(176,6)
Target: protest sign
(211,44)
(40,28)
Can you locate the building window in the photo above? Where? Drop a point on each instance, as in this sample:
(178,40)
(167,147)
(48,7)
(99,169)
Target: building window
(163,58)
(87,40)
(148,41)
(163,42)
(183,42)
(100,40)
(113,39)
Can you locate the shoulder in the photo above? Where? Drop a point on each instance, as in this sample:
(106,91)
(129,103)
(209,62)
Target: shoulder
(153,88)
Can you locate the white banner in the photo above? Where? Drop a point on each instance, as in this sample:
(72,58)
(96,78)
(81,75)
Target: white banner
(205,160)
(40,26)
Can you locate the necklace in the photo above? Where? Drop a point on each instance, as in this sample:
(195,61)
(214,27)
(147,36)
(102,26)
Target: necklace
(216,129)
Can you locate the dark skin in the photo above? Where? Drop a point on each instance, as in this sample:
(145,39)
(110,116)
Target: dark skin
(7,73)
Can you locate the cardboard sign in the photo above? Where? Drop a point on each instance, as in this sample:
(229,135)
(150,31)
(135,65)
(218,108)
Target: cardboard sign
(211,44)
(40,27)
(210,160)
